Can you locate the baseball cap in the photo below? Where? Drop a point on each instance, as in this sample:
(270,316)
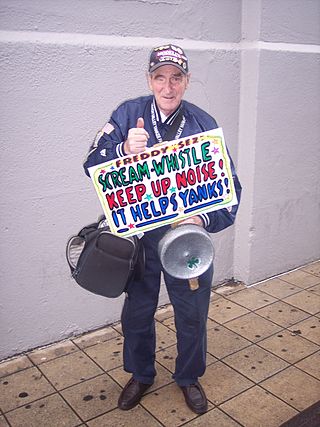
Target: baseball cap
(168,55)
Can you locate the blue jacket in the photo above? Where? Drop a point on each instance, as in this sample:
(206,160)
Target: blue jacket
(108,144)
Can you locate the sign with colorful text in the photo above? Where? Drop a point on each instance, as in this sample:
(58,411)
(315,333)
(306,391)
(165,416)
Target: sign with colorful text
(166,183)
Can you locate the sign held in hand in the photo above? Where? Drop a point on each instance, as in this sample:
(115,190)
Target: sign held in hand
(165,183)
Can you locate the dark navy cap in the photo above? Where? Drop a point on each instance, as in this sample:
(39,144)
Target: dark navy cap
(168,55)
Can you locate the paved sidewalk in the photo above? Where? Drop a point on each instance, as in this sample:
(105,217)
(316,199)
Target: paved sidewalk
(263,366)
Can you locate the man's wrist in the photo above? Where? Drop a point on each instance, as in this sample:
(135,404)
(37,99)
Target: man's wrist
(205,220)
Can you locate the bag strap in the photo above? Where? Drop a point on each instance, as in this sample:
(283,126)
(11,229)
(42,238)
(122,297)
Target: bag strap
(172,131)
(87,229)
(91,227)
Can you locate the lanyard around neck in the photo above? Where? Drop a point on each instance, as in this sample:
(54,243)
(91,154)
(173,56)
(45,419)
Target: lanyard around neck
(178,122)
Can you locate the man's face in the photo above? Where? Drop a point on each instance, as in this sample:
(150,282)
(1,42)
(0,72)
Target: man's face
(168,85)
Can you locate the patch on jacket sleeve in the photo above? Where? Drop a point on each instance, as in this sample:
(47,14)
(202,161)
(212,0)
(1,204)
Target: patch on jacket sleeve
(108,128)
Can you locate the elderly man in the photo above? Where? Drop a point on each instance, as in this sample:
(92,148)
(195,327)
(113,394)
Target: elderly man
(135,125)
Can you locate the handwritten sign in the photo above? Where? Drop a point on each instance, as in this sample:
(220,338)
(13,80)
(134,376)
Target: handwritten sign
(166,183)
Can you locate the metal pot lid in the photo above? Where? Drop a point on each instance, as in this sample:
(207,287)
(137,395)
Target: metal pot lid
(186,251)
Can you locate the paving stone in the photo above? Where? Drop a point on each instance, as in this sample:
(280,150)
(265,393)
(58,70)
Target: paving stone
(3,422)
(222,342)
(211,324)
(315,289)
(295,387)
(255,363)
(52,352)
(229,288)
(23,387)
(311,365)
(167,358)
(17,364)
(313,268)
(257,407)
(164,313)
(223,310)
(253,327)
(252,298)
(305,300)
(168,406)
(215,417)
(278,288)
(301,278)
(93,397)
(108,354)
(118,418)
(309,328)
(96,337)
(162,378)
(282,314)
(70,369)
(289,346)
(118,327)
(165,337)
(169,323)
(51,411)
(214,296)
(221,383)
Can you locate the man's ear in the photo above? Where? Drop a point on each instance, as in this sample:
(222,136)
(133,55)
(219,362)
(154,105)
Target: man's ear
(188,79)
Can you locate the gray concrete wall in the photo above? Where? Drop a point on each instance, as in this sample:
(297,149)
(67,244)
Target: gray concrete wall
(66,65)
(278,227)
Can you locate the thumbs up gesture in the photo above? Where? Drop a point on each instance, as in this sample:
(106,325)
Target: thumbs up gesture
(140,123)
(137,138)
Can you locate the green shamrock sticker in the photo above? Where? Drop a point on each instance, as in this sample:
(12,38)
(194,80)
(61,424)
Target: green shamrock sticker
(193,263)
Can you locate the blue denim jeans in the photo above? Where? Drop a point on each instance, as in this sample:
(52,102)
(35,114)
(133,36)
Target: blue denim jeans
(190,311)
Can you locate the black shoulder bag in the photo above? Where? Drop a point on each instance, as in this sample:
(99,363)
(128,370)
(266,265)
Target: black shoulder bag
(102,262)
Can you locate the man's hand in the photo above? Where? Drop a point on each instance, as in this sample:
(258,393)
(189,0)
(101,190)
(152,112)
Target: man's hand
(197,220)
(137,139)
